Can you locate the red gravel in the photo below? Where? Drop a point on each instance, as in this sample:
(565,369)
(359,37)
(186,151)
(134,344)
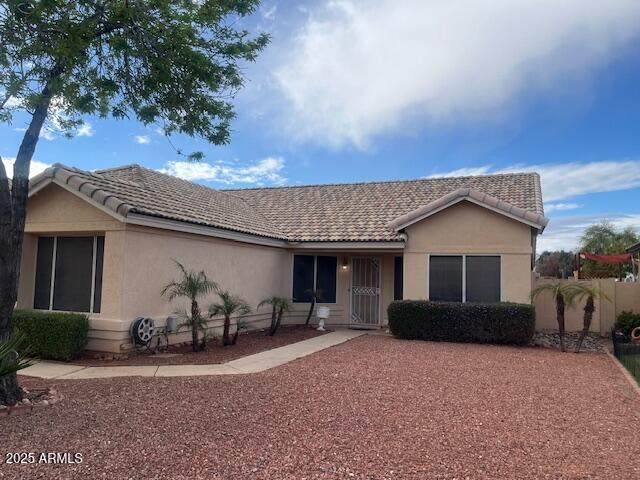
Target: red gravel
(374,407)
(248,344)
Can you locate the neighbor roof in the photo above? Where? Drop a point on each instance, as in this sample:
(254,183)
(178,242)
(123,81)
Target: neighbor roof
(635,248)
(341,212)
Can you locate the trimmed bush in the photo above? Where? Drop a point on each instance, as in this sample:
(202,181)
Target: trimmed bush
(511,323)
(627,321)
(53,335)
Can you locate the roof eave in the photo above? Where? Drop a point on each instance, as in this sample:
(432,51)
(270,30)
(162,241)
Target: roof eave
(534,220)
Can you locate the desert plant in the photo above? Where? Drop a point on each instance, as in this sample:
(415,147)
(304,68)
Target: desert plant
(580,291)
(15,355)
(279,306)
(627,321)
(228,305)
(316,296)
(562,293)
(191,285)
(241,326)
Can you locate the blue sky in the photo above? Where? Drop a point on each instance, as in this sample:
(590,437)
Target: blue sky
(357,90)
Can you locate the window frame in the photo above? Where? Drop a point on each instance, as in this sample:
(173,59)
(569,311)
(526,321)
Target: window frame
(464,271)
(54,258)
(398,295)
(315,275)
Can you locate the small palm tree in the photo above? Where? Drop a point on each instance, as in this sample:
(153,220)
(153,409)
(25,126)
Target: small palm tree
(279,306)
(14,355)
(562,293)
(229,305)
(579,292)
(191,285)
(316,296)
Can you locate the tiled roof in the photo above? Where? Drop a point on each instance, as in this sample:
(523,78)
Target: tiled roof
(343,212)
(134,189)
(364,211)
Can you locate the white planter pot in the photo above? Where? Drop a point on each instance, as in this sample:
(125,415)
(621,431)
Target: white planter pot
(322,313)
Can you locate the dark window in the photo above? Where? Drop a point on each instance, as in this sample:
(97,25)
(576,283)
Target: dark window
(74,264)
(77,273)
(397,278)
(326,278)
(314,273)
(483,279)
(303,266)
(445,278)
(44,261)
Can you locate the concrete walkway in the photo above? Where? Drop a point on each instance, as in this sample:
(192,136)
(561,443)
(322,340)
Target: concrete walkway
(258,362)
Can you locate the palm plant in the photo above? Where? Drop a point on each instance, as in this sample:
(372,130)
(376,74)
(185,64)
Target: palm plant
(581,291)
(562,293)
(316,296)
(279,305)
(14,356)
(191,285)
(228,305)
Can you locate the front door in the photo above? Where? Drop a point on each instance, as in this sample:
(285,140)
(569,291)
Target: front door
(365,292)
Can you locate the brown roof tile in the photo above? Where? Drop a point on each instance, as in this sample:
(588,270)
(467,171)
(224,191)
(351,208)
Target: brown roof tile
(341,212)
(363,211)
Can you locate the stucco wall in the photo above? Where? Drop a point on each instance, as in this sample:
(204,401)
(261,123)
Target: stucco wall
(341,310)
(466,228)
(54,209)
(620,297)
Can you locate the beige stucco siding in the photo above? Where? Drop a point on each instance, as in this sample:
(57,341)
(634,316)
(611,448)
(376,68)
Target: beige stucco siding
(254,272)
(54,209)
(466,228)
(341,310)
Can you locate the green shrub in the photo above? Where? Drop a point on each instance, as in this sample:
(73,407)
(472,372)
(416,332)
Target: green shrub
(511,323)
(627,321)
(53,335)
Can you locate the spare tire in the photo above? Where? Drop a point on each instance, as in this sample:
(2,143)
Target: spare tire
(142,330)
(635,335)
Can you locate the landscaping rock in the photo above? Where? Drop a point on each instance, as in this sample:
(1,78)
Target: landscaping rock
(550,339)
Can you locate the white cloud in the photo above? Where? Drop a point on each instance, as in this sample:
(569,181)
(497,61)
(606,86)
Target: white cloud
(564,233)
(267,170)
(142,139)
(464,172)
(556,207)
(360,68)
(567,180)
(85,130)
(36,166)
(270,13)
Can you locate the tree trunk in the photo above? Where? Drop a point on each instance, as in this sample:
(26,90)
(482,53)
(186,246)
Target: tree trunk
(10,392)
(589,308)
(195,315)
(280,313)
(273,328)
(225,332)
(13,207)
(560,319)
(313,304)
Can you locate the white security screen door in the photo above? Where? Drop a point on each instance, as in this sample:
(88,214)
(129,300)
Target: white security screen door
(365,292)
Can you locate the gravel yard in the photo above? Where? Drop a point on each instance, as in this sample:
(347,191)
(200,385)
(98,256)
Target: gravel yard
(374,407)
(248,344)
